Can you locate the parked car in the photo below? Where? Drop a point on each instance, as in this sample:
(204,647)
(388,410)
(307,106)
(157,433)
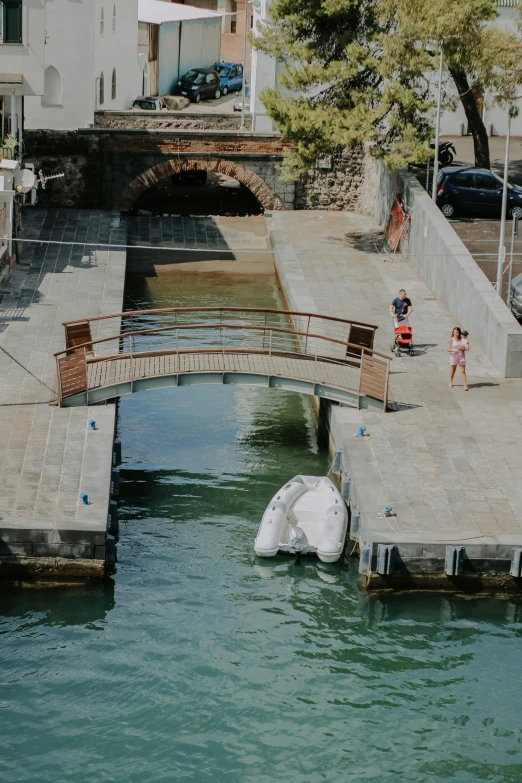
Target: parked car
(476,192)
(199,83)
(146,103)
(230,76)
(239,101)
(515,298)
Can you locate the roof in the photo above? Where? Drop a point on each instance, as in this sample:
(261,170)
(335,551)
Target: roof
(202,70)
(11,78)
(159,12)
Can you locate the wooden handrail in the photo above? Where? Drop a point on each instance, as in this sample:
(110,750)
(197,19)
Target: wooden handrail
(218,309)
(220,326)
(175,351)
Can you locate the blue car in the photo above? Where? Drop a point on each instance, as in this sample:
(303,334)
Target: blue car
(230,76)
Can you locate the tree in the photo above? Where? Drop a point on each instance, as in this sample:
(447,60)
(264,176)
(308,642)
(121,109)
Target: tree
(480,56)
(361,72)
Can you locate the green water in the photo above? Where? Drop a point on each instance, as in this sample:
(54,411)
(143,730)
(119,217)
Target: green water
(200,663)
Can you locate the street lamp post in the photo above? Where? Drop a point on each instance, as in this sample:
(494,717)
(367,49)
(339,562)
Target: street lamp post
(437,133)
(502,238)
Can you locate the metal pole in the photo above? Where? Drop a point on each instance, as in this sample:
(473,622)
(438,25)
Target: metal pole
(437,133)
(14,124)
(502,239)
(514,233)
(244,67)
(428,177)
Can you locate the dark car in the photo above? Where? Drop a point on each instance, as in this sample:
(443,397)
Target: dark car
(199,83)
(476,192)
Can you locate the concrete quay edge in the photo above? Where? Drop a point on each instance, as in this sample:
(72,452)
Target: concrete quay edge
(421,557)
(53,543)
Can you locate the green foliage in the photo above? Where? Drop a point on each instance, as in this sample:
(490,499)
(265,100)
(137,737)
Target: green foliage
(359,72)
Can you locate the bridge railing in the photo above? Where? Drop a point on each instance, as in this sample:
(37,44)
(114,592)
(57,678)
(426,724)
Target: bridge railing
(357,333)
(166,350)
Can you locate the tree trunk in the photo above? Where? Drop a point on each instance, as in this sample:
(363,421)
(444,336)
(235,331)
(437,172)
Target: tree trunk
(475,123)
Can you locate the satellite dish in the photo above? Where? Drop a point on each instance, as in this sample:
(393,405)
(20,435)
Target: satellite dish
(28,181)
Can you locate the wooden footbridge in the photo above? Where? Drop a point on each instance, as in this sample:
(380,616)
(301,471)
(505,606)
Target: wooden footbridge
(320,355)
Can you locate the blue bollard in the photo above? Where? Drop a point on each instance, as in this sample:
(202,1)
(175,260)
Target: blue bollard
(84,498)
(92,424)
(361,432)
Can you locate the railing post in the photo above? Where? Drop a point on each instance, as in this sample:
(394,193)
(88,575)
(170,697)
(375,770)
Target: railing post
(131,358)
(360,377)
(86,376)
(270,344)
(385,406)
(59,382)
(224,330)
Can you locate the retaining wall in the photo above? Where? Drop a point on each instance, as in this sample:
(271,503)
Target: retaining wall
(445,264)
(153,120)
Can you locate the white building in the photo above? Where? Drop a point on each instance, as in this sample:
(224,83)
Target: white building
(454,123)
(91,62)
(22,48)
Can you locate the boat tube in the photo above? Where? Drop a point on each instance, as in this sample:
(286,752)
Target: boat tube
(306,516)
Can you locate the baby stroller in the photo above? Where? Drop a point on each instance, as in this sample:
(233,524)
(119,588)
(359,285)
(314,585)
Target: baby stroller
(403,340)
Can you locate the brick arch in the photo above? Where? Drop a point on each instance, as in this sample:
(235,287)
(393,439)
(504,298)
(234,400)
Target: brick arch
(264,194)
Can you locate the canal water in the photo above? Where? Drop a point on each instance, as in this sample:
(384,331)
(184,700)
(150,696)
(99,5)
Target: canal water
(199,663)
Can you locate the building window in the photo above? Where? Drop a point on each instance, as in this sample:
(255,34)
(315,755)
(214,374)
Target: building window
(114,19)
(52,87)
(113,86)
(233,19)
(102,22)
(102,90)
(12,21)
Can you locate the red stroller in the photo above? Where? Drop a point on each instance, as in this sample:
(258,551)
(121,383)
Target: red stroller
(403,340)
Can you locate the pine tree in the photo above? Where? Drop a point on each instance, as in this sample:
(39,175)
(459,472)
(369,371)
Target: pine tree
(362,71)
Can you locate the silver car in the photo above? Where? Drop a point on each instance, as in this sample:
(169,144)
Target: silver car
(238,105)
(515,299)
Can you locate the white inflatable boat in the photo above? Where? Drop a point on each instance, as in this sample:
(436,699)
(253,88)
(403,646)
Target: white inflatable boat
(306,516)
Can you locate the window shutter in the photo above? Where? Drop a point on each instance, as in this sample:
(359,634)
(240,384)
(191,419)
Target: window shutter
(12,21)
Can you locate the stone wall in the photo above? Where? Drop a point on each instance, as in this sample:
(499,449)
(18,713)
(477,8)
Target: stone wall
(100,164)
(335,188)
(153,120)
(78,155)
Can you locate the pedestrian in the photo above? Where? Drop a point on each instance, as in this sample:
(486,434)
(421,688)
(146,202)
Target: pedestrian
(457,351)
(401,308)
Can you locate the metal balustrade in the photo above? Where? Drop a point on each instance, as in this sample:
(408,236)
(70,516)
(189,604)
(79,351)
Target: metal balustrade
(304,352)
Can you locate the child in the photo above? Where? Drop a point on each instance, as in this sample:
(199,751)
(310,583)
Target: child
(465,342)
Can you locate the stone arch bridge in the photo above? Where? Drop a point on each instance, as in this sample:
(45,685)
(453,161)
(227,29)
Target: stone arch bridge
(109,168)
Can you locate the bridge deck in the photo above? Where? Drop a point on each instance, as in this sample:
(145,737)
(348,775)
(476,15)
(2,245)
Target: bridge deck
(104,373)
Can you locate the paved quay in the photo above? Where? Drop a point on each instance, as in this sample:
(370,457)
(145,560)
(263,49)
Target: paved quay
(49,455)
(446,460)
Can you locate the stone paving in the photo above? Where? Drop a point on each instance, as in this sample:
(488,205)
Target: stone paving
(447,460)
(42,447)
